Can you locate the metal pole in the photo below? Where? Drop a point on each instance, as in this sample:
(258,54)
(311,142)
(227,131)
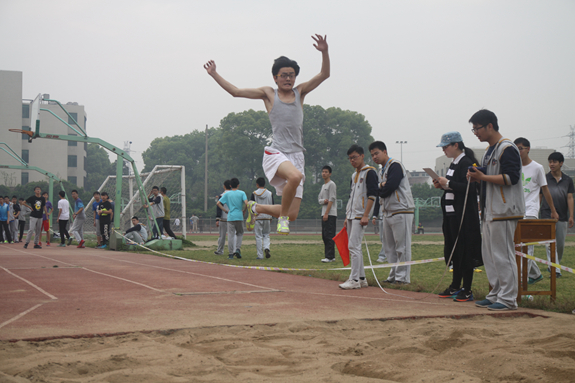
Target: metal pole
(118,198)
(183,182)
(206,174)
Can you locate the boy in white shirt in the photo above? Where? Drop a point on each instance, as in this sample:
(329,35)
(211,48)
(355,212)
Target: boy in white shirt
(63,217)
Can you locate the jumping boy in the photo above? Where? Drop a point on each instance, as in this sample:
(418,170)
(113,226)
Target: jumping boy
(283,161)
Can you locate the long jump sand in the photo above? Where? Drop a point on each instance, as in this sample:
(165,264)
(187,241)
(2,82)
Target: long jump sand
(185,321)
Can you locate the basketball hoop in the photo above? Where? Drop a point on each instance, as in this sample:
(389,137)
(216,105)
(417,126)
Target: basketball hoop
(28,132)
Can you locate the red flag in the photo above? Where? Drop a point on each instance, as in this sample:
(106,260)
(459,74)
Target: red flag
(341,242)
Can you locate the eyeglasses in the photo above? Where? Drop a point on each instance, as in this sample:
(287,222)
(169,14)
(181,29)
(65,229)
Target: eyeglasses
(521,148)
(353,158)
(286,75)
(475,130)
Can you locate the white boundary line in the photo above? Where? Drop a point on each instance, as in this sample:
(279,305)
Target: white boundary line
(20,315)
(30,283)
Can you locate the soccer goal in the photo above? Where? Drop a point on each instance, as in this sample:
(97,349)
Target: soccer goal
(172,177)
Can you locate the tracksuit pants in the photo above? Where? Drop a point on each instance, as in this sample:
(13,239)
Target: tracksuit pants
(262,233)
(397,234)
(354,236)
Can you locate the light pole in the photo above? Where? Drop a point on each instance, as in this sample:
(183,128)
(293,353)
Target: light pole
(401,143)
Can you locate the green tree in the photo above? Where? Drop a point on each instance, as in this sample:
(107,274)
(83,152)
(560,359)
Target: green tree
(98,167)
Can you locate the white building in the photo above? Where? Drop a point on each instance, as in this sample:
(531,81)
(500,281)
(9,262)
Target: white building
(63,158)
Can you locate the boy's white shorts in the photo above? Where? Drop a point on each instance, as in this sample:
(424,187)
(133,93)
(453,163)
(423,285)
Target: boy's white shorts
(272,160)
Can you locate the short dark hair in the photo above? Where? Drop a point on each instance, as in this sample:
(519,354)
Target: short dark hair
(164,190)
(37,187)
(556,156)
(96,193)
(155,187)
(234,182)
(522,141)
(62,193)
(15,196)
(355,148)
(136,218)
(485,117)
(43,193)
(327,167)
(20,199)
(75,191)
(284,62)
(228,184)
(261,182)
(105,193)
(377,145)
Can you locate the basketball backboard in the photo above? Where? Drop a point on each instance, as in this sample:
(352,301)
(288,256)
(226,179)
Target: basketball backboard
(35,112)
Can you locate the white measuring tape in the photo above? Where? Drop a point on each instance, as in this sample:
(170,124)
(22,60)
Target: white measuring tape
(556,265)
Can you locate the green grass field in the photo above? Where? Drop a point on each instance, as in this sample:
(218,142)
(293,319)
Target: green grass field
(430,277)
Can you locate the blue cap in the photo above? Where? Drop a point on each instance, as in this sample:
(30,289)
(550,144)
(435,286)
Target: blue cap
(450,138)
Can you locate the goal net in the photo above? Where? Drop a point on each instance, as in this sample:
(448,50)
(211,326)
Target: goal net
(172,177)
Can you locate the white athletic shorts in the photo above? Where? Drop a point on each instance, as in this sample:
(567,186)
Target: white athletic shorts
(272,160)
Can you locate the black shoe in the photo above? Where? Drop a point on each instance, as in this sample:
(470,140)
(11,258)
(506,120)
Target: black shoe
(238,254)
(231,256)
(464,296)
(37,246)
(390,281)
(450,293)
(25,245)
(267,251)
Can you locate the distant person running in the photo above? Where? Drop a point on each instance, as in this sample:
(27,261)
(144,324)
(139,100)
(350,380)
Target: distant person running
(283,161)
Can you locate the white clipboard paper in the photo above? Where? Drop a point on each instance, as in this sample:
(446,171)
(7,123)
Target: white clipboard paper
(431,173)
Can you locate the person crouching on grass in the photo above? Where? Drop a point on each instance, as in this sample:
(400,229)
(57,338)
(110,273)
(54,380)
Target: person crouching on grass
(359,208)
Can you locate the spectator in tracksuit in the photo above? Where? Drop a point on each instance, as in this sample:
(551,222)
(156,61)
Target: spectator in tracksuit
(24,213)
(397,209)
(137,233)
(359,208)
(222,221)
(4,228)
(502,205)
(262,226)
(157,204)
(14,223)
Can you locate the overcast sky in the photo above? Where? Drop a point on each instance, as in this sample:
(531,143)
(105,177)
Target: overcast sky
(414,69)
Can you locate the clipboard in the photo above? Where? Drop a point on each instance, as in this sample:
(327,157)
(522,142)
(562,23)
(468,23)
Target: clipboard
(431,173)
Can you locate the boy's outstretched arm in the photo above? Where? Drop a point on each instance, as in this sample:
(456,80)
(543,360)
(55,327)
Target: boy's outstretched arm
(320,45)
(253,93)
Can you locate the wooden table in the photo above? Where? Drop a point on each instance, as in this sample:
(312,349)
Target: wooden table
(534,230)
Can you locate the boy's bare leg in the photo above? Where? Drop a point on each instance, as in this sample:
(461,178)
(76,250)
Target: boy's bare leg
(290,204)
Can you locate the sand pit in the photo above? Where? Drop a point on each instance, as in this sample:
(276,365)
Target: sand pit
(478,349)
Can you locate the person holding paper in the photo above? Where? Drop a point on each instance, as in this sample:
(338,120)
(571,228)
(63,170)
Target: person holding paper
(467,252)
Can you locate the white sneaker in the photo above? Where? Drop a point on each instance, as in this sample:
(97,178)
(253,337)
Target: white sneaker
(327,260)
(381,260)
(363,283)
(350,284)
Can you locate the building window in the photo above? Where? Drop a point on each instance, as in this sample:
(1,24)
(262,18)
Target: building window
(75,116)
(73,143)
(26,155)
(25,110)
(25,136)
(25,176)
(72,161)
(73,180)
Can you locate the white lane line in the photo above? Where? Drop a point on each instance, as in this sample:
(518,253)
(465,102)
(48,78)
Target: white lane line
(187,272)
(28,282)
(20,315)
(84,268)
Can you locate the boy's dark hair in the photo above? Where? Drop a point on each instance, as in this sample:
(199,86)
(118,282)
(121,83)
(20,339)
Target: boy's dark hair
(43,193)
(327,167)
(105,193)
(20,199)
(228,184)
(485,117)
(155,187)
(556,156)
(74,191)
(15,196)
(522,141)
(284,62)
(96,193)
(37,187)
(355,148)
(234,182)
(377,145)
(136,218)
(164,190)
(261,182)
(62,193)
